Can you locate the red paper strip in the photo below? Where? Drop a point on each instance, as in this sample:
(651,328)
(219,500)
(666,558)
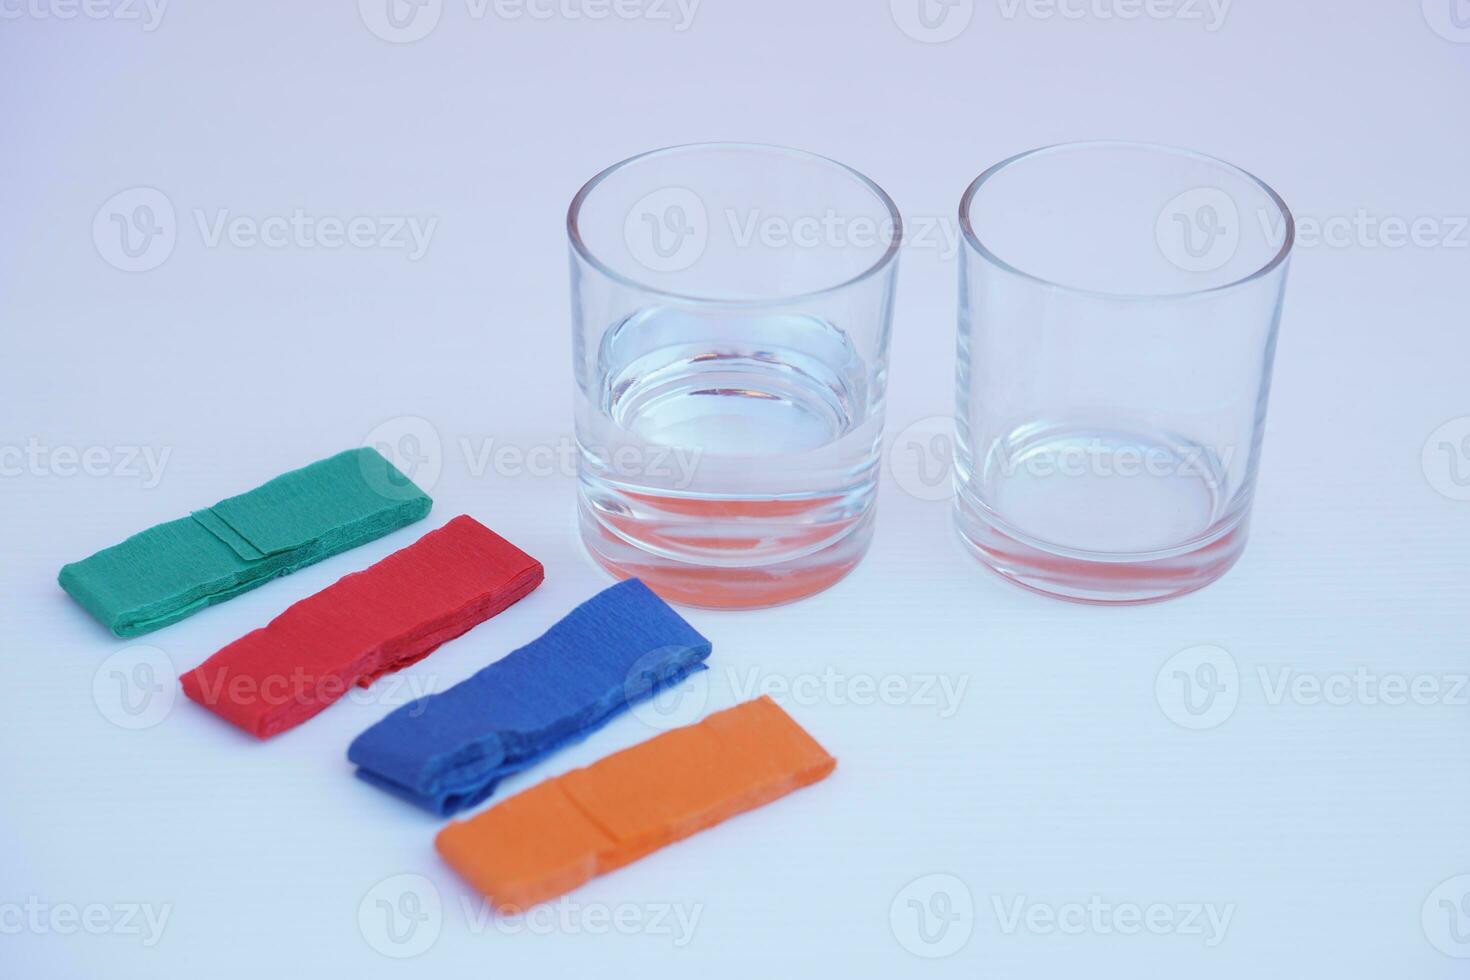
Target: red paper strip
(368,624)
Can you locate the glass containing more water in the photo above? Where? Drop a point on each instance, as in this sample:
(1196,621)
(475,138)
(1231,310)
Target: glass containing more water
(731,309)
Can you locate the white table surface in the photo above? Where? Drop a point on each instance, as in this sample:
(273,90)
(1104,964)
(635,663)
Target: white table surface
(1326,833)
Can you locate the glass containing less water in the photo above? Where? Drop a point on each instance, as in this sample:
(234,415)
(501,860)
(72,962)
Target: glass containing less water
(731,310)
(1119,305)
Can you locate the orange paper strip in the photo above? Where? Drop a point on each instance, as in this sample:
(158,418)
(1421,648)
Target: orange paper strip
(568,830)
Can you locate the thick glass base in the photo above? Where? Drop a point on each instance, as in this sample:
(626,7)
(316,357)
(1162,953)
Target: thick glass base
(727,585)
(1101,514)
(1099,578)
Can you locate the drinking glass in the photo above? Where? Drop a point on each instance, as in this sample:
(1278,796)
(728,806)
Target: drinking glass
(1119,305)
(731,307)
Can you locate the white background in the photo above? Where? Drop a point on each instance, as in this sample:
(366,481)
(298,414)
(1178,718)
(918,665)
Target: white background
(1321,829)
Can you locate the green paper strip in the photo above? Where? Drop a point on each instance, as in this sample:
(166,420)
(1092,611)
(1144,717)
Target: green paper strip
(171,571)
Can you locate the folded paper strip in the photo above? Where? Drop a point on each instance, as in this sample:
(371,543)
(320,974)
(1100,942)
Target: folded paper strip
(161,575)
(448,751)
(367,624)
(563,832)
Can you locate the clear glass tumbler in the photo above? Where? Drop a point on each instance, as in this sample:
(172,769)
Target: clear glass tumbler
(731,307)
(1119,305)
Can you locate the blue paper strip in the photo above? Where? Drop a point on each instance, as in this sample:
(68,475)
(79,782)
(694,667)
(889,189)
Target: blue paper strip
(447,751)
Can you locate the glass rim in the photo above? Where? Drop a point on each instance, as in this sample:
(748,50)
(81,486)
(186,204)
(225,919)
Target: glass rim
(1288,240)
(579,245)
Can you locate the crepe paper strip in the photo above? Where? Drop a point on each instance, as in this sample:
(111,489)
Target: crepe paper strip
(448,751)
(548,840)
(363,626)
(173,570)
